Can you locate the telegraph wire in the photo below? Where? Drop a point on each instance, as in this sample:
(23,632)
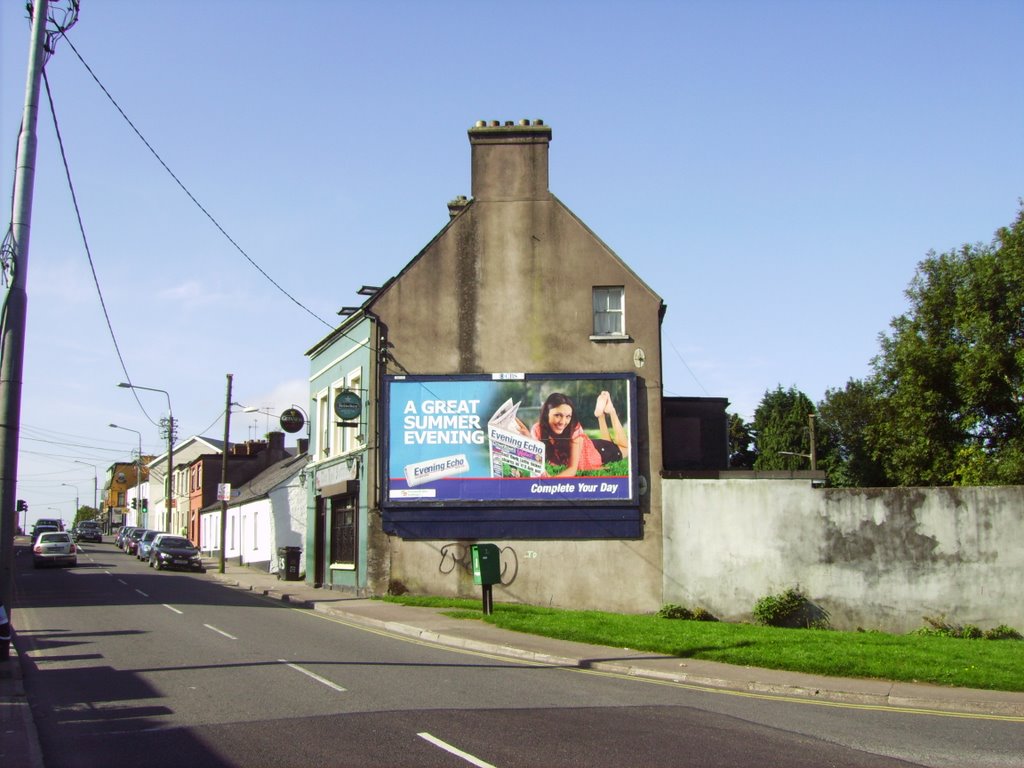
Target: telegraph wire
(190,195)
(85,243)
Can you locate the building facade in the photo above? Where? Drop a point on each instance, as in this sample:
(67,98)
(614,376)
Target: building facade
(515,300)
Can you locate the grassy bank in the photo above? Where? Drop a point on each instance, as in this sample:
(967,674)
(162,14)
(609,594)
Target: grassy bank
(988,664)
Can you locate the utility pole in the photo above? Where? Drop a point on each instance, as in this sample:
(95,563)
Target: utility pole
(224,493)
(12,342)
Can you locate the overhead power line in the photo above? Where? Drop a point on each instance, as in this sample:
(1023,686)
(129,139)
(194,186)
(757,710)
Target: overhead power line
(190,195)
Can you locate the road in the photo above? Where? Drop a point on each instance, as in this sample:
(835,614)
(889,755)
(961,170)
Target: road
(130,666)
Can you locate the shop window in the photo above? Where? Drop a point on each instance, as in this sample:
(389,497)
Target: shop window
(343,529)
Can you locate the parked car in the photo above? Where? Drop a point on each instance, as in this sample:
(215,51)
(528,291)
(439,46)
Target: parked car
(88,530)
(54,548)
(123,531)
(175,552)
(131,541)
(5,633)
(142,549)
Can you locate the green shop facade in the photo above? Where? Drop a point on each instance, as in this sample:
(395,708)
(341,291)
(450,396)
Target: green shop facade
(338,525)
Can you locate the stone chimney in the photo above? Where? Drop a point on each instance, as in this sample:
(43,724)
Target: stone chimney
(303,445)
(510,161)
(455,206)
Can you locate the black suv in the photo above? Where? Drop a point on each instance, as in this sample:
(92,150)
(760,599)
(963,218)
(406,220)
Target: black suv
(89,530)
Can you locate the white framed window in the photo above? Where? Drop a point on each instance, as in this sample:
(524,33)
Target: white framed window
(353,383)
(323,425)
(609,310)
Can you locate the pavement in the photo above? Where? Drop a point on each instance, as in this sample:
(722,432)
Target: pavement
(19,744)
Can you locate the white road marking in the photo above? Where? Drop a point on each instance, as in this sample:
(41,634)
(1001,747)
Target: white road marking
(220,632)
(123,582)
(172,608)
(141,593)
(315,676)
(454,751)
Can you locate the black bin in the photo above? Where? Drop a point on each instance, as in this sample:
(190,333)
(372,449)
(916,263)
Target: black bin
(288,563)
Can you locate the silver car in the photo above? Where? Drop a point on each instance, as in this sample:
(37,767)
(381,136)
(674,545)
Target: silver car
(54,548)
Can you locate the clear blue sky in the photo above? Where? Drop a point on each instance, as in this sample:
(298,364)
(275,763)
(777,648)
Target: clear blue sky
(774,170)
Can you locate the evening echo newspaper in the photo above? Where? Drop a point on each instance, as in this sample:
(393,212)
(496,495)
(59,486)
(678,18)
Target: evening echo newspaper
(513,454)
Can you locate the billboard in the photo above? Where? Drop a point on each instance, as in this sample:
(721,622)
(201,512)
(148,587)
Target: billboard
(509,439)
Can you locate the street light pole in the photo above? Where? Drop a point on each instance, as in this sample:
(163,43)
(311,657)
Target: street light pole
(138,473)
(95,484)
(15,312)
(224,480)
(170,449)
(69,485)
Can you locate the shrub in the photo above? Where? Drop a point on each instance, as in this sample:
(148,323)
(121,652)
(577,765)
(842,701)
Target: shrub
(939,626)
(1003,632)
(673,611)
(790,609)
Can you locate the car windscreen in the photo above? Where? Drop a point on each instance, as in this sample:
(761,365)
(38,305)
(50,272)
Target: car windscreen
(175,543)
(54,538)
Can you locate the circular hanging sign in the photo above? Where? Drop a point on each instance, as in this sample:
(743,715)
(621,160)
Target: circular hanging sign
(292,420)
(347,405)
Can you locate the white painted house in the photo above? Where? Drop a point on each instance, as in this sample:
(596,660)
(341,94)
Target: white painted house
(264,514)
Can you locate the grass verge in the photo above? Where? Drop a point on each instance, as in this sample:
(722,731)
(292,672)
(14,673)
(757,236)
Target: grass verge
(985,664)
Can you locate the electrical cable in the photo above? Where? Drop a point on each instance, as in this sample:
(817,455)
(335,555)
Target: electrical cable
(191,196)
(85,243)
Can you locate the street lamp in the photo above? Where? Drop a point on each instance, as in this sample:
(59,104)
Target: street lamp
(138,471)
(170,447)
(69,485)
(813,455)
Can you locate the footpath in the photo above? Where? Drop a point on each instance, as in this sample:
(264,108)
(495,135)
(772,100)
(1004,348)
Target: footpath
(19,744)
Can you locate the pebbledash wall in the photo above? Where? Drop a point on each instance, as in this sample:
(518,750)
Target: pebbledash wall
(879,558)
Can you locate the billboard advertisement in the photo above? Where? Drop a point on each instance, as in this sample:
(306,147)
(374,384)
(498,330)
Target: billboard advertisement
(509,438)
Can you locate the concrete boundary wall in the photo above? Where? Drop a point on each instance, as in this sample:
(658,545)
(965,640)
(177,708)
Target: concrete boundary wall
(877,558)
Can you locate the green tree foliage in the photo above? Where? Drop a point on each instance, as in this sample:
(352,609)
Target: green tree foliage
(845,417)
(781,427)
(950,375)
(741,438)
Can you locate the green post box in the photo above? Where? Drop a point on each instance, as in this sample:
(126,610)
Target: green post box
(486,564)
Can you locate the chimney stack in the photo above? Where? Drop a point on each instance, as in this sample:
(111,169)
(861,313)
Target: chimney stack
(510,161)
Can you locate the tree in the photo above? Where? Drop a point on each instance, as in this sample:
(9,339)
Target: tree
(950,375)
(741,454)
(781,428)
(844,419)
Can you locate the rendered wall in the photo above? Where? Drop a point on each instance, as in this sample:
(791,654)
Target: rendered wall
(508,286)
(873,558)
(585,575)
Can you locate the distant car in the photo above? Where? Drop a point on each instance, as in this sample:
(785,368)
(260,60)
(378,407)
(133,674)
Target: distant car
(88,530)
(145,542)
(43,529)
(175,552)
(131,541)
(46,521)
(54,548)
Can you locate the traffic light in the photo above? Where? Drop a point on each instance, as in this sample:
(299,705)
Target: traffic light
(145,505)
(134,503)
(21,506)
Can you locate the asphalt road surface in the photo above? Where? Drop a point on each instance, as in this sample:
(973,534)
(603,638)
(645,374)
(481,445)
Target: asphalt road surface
(129,666)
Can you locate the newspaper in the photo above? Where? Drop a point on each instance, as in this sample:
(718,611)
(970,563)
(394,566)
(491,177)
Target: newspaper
(513,454)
